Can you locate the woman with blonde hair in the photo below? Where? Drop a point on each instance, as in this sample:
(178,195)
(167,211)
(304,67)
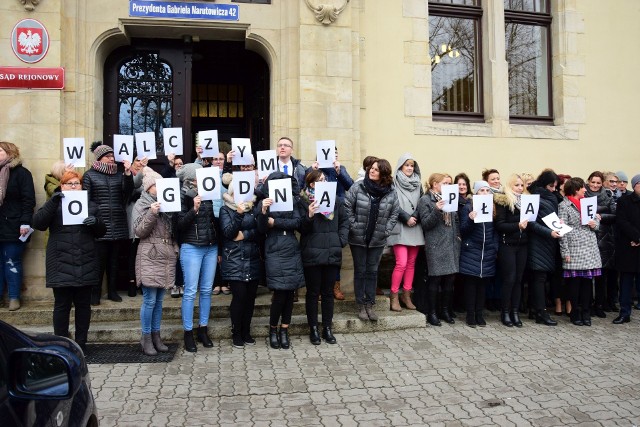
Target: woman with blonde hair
(512,254)
(442,248)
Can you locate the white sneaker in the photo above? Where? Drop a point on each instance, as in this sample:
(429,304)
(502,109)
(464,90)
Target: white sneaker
(175,292)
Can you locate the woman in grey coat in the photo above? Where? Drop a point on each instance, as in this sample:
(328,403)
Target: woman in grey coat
(372,208)
(406,238)
(442,248)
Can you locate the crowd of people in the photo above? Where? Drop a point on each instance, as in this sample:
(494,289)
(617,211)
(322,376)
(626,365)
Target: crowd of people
(237,246)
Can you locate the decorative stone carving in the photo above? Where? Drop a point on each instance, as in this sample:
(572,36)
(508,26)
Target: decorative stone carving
(326,14)
(30,5)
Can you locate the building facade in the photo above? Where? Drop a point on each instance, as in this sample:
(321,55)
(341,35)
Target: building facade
(517,85)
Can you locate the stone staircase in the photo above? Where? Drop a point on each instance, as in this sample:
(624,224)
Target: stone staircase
(113,322)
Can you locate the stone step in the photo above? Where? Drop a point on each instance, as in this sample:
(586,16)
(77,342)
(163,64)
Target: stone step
(220,328)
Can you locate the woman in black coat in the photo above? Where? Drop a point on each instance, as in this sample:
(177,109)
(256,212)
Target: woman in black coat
(72,260)
(324,234)
(110,189)
(282,259)
(17,200)
(628,247)
(242,264)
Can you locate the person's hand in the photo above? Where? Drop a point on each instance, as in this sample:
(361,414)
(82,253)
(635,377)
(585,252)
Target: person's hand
(127,167)
(522,225)
(239,237)
(199,150)
(144,161)
(592,224)
(598,217)
(412,221)
(265,205)
(171,157)
(315,165)
(155,208)
(196,203)
(440,204)
(336,166)
(473,214)
(230,156)
(635,244)
(271,222)
(70,167)
(555,234)
(241,208)
(24,231)
(567,259)
(90,220)
(57,196)
(313,208)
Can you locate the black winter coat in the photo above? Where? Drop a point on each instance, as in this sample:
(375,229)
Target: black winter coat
(323,239)
(507,223)
(543,249)
(20,199)
(606,231)
(72,258)
(627,231)
(241,260)
(479,249)
(198,229)
(283,263)
(111,193)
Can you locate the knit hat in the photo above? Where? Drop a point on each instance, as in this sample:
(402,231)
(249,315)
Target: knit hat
(635,180)
(100,150)
(622,176)
(478,185)
(188,172)
(149,177)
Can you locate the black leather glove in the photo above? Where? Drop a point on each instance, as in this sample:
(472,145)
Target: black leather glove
(90,220)
(57,196)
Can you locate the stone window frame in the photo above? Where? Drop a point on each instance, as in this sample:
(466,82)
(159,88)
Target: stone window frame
(568,71)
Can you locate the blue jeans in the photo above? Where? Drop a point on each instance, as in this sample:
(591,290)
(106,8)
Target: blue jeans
(151,309)
(626,285)
(365,272)
(11,267)
(199,268)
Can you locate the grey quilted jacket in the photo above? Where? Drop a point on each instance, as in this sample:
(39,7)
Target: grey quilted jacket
(357,205)
(441,242)
(581,243)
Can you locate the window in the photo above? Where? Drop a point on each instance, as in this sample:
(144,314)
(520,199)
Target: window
(454,51)
(528,54)
(221,101)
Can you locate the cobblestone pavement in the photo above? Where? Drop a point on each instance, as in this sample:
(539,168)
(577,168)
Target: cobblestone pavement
(452,375)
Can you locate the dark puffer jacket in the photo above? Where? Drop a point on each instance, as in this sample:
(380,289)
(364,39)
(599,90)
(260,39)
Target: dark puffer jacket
(606,232)
(198,229)
(241,260)
(358,210)
(479,248)
(507,222)
(20,199)
(283,263)
(543,249)
(111,193)
(323,239)
(627,231)
(72,258)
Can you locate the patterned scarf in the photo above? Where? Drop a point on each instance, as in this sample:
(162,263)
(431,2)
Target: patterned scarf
(406,187)
(105,168)
(446,215)
(518,203)
(4,178)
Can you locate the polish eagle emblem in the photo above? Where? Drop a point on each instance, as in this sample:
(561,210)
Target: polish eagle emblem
(30,41)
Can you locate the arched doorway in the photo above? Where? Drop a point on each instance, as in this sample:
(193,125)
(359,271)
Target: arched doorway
(156,83)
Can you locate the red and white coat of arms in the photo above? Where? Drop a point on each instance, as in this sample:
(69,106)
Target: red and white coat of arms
(30,40)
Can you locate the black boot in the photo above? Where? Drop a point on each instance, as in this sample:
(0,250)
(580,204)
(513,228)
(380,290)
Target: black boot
(599,312)
(274,339)
(112,293)
(471,319)
(95,295)
(480,319)
(576,316)
(327,335)
(445,311)
(133,289)
(189,343)
(433,320)
(515,318)
(543,318)
(284,338)
(586,317)
(314,336)
(505,318)
(203,337)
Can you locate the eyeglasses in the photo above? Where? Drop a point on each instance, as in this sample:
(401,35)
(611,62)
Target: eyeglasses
(284,145)
(72,184)
(613,181)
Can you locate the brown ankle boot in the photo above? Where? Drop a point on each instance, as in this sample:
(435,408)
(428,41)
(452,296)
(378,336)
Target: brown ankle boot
(394,304)
(405,299)
(337,293)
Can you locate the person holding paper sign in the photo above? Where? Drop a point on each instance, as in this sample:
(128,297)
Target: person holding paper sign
(199,240)
(606,208)
(72,260)
(543,255)
(442,249)
(372,207)
(406,237)
(512,254)
(283,263)
(477,257)
(17,200)
(579,251)
(324,234)
(110,189)
(628,248)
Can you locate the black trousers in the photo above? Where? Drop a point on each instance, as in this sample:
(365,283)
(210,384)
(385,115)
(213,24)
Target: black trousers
(243,301)
(474,293)
(108,251)
(133,252)
(538,283)
(281,307)
(512,260)
(600,290)
(581,294)
(320,280)
(80,297)
(442,285)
